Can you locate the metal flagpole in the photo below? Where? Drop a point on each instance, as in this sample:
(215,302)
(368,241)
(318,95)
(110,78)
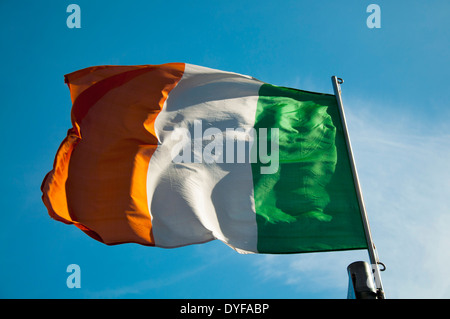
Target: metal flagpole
(373,256)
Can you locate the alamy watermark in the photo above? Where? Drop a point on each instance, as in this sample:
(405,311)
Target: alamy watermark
(74,19)
(74,279)
(374,19)
(232,145)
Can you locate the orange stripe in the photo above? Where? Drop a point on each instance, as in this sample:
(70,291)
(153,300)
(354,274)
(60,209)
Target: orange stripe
(91,95)
(100,172)
(53,186)
(82,79)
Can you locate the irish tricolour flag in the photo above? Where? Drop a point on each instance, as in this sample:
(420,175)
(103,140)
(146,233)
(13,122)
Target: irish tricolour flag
(177,154)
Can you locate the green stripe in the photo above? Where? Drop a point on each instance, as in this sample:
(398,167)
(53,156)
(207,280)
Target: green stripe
(310,203)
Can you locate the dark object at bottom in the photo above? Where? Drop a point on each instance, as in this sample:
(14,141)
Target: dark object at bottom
(361,284)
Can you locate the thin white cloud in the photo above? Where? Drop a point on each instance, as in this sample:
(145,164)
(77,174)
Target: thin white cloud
(406,179)
(206,257)
(146,286)
(142,287)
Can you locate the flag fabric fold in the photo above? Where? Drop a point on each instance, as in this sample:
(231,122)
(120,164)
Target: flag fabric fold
(177,154)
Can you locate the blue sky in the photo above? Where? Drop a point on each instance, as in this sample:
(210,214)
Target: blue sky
(396,96)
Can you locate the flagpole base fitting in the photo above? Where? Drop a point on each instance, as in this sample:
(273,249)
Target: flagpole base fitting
(361,284)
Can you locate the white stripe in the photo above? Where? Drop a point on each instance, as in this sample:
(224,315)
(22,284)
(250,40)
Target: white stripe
(198,202)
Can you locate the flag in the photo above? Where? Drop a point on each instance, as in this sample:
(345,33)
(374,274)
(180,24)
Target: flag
(177,154)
